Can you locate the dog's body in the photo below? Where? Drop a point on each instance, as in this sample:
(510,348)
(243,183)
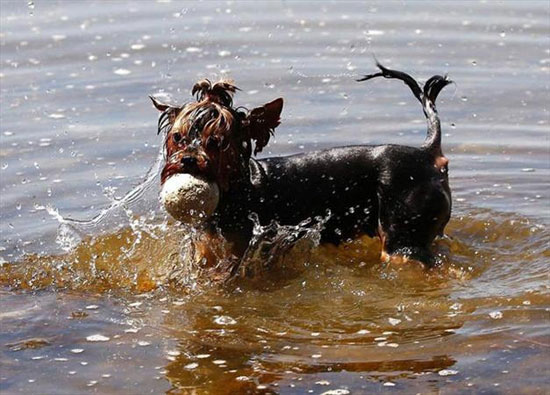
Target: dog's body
(371,190)
(398,193)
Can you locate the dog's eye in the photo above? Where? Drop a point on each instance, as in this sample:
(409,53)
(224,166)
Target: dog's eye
(176,137)
(212,143)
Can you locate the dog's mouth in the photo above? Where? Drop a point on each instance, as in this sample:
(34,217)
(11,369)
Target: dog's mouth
(168,171)
(182,162)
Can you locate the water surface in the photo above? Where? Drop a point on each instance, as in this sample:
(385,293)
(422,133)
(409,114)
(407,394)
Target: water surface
(100,309)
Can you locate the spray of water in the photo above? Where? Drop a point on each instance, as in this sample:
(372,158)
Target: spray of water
(138,217)
(272,242)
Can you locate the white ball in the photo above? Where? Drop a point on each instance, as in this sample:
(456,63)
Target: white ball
(189,199)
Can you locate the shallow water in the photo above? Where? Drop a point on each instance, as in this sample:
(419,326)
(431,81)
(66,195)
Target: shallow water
(78,132)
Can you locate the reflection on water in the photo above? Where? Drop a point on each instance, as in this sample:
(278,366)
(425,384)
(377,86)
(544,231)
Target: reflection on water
(324,317)
(119,305)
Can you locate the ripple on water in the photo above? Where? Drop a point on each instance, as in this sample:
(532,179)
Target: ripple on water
(338,310)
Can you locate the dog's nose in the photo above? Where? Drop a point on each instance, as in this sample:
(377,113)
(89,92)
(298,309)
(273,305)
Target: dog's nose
(188,161)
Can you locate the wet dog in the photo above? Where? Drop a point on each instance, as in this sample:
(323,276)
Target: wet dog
(400,194)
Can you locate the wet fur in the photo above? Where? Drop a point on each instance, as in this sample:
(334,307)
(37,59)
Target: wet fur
(398,193)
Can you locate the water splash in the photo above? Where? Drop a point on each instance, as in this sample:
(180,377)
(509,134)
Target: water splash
(133,245)
(118,244)
(272,242)
(142,198)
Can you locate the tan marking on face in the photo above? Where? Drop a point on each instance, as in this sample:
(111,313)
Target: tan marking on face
(441,161)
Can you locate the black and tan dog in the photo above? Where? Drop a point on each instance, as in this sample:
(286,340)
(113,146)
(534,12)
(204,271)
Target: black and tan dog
(400,194)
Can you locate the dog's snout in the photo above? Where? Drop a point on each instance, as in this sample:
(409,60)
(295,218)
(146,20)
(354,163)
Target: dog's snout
(188,161)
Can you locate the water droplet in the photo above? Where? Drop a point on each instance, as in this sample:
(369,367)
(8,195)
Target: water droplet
(339,391)
(224,320)
(97,338)
(122,71)
(59,37)
(495,315)
(447,372)
(394,321)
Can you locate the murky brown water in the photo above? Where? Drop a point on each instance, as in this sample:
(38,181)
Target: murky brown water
(108,306)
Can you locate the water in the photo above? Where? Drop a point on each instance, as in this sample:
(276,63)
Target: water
(78,132)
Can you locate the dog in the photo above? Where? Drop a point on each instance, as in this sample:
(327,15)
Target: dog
(398,193)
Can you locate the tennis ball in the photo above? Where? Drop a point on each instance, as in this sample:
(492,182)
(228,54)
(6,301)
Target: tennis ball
(189,199)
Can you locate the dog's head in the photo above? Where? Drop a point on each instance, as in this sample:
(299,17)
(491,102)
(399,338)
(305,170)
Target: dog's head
(212,139)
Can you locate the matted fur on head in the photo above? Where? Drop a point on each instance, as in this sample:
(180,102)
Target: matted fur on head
(210,137)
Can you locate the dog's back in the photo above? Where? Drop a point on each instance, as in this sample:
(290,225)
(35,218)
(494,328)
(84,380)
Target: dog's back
(398,193)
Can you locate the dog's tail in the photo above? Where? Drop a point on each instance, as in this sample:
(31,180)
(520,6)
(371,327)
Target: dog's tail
(426,96)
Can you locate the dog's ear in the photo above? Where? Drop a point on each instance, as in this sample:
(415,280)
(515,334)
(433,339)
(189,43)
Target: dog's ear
(262,121)
(168,116)
(159,105)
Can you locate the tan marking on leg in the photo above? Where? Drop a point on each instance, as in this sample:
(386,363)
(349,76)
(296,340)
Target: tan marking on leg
(384,256)
(211,248)
(203,251)
(403,260)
